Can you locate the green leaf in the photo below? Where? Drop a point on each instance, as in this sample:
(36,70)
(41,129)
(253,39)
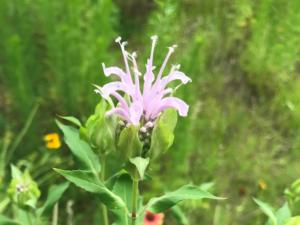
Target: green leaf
(179,215)
(283,214)
(72,120)
(110,182)
(6,221)
(268,210)
(87,181)
(123,188)
(207,186)
(140,164)
(15,172)
(187,192)
(4,203)
(293,194)
(54,194)
(163,132)
(24,217)
(81,150)
(121,217)
(129,144)
(293,221)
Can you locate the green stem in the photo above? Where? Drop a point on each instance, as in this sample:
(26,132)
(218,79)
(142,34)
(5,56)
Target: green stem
(22,133)
(135,194)
(55,215)
(102,176)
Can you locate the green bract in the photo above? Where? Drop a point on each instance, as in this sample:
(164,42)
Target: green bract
(129,144)
(163,133)
(146,141)
(22,189)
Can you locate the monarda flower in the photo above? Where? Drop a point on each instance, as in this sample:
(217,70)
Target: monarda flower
(153,219)
(143,100)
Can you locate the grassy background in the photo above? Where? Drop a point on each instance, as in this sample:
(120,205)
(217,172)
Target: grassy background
(243,57)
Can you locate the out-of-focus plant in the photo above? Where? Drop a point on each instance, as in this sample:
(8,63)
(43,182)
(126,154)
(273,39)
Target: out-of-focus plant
(140,126)
(276,217)
(54,49)
(292,195)
(10,142)
(288,214)
(24,194)
(22,189)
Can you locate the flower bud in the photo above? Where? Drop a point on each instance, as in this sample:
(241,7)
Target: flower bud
(22,189)
(100,129)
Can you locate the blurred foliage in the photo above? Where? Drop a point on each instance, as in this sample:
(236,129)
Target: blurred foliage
(243,57)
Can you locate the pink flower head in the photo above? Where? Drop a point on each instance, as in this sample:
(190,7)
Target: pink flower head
(153,219)
(145,102)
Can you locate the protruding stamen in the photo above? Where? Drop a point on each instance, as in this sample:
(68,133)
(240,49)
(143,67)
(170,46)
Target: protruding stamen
(178,86)
(154,37)
(125,56)
(171,50)
(118,39)
(134,55)
(149,124)
(98,89)
(143,129)
(154,40)
(103,67)
(136,71)
(173,68)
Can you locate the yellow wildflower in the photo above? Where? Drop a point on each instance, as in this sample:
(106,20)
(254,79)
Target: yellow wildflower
(262,185)
(52,141)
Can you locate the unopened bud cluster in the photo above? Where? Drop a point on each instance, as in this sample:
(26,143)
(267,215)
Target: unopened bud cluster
(145,136)
(144,133)
(21,188)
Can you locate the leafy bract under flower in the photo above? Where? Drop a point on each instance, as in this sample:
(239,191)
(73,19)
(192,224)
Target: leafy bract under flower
(145,101)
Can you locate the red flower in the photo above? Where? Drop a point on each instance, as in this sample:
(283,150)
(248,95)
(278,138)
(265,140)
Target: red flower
(153,219)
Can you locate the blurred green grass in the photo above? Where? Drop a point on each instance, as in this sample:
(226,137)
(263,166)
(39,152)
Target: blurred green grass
(243,57)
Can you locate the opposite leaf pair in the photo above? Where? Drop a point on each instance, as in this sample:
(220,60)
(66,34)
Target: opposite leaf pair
(24,194)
